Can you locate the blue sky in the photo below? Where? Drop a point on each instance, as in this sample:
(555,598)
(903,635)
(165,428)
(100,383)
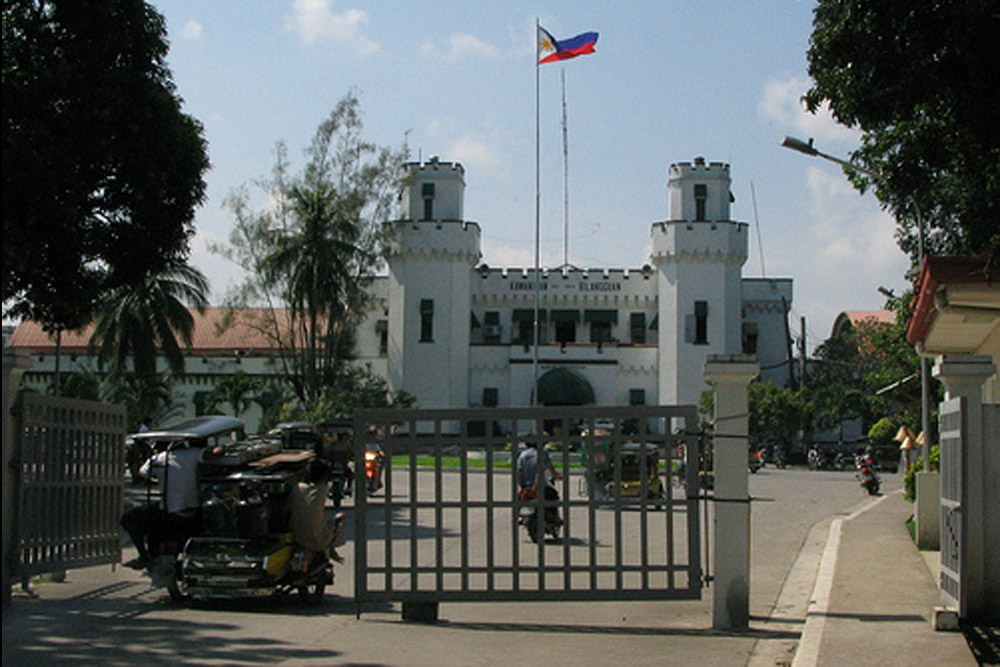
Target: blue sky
(671,80)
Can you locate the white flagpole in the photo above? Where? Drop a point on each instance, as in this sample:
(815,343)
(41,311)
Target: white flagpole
(565,138)
(536,328)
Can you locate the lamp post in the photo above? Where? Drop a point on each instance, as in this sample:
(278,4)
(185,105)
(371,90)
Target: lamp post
(809,149)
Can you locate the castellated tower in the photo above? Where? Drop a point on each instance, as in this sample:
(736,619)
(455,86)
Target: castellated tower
(431,255)
(699,253)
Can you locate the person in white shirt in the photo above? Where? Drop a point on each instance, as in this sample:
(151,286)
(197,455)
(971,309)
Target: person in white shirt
(176,474)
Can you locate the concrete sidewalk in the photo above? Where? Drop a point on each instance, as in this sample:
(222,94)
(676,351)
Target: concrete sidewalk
(873,605)
(871,593)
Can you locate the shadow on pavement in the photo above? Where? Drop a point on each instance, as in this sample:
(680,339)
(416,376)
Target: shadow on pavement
(124,623)
(984,640)
(645,631)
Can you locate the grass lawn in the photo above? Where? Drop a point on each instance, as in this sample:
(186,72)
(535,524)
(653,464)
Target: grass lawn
(428,461)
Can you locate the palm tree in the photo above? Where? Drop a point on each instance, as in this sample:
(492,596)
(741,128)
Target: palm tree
(313,252)
(315,258)
(143,318)
(239,390)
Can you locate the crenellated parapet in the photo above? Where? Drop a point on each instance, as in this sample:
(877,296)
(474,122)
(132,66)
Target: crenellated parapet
(565,285)
(766,295)
(458,240)
(433,190)
(699,191)
(717,241)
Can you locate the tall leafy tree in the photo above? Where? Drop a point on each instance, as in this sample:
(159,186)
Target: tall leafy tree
(147,402)
(239,390)
(889,366)
(102,171)
(311,249)
(776,413)
(868,371)
(141,320)
(919,80)
(836,384)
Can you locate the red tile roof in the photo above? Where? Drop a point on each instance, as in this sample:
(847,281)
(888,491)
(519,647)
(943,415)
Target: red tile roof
(853,318)
(946,270)
(216,331)
(874,316)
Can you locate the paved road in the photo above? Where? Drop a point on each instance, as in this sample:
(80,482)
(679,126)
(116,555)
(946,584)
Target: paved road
(99,616)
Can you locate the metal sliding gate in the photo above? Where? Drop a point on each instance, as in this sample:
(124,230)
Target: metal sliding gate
(953,429)
(444,526)
(68,464)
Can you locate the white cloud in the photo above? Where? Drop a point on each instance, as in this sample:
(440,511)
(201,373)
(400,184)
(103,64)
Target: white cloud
(463,46)
(855,237)
(782,103)
(427,48)
(472,152)
(315,20)
(192,31)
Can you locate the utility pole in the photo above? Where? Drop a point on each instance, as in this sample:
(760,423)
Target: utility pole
(788,342)
(802,353)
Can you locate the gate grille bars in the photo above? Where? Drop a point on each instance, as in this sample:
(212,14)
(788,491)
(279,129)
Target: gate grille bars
(69,472)
(444,526)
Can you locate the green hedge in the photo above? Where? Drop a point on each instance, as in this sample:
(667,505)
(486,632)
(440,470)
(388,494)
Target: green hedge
(910,479)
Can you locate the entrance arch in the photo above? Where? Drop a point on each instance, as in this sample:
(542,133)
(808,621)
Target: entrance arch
(561,386)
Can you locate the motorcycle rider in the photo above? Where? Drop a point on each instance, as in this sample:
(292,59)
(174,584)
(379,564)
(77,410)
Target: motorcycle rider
(338,451)
(535,470)
(778,455)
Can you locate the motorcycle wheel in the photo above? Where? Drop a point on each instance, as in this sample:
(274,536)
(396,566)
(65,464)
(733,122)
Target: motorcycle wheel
(337,494)
(532,525)
(165,571)
(178,592)
(312,594)
(177,589)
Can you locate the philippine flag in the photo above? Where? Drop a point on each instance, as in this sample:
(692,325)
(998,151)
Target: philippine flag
(550,49)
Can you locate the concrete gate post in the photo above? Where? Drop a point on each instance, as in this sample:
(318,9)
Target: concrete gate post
(15,362)
(730,375)
(963,375)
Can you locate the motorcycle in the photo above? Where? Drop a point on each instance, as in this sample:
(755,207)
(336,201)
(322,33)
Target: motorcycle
(867,475)
(336,448)
(374,462)
(815,459)
(756,460)
(778,455)
(340,483)
(528,515)
(842,461)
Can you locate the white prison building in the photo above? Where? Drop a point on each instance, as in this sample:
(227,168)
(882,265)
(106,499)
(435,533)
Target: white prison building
(455,332)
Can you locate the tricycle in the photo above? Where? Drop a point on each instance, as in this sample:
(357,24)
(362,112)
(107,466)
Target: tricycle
(635,479)
(238,542)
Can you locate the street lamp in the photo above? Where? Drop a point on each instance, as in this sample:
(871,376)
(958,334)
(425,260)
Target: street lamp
(809,149)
